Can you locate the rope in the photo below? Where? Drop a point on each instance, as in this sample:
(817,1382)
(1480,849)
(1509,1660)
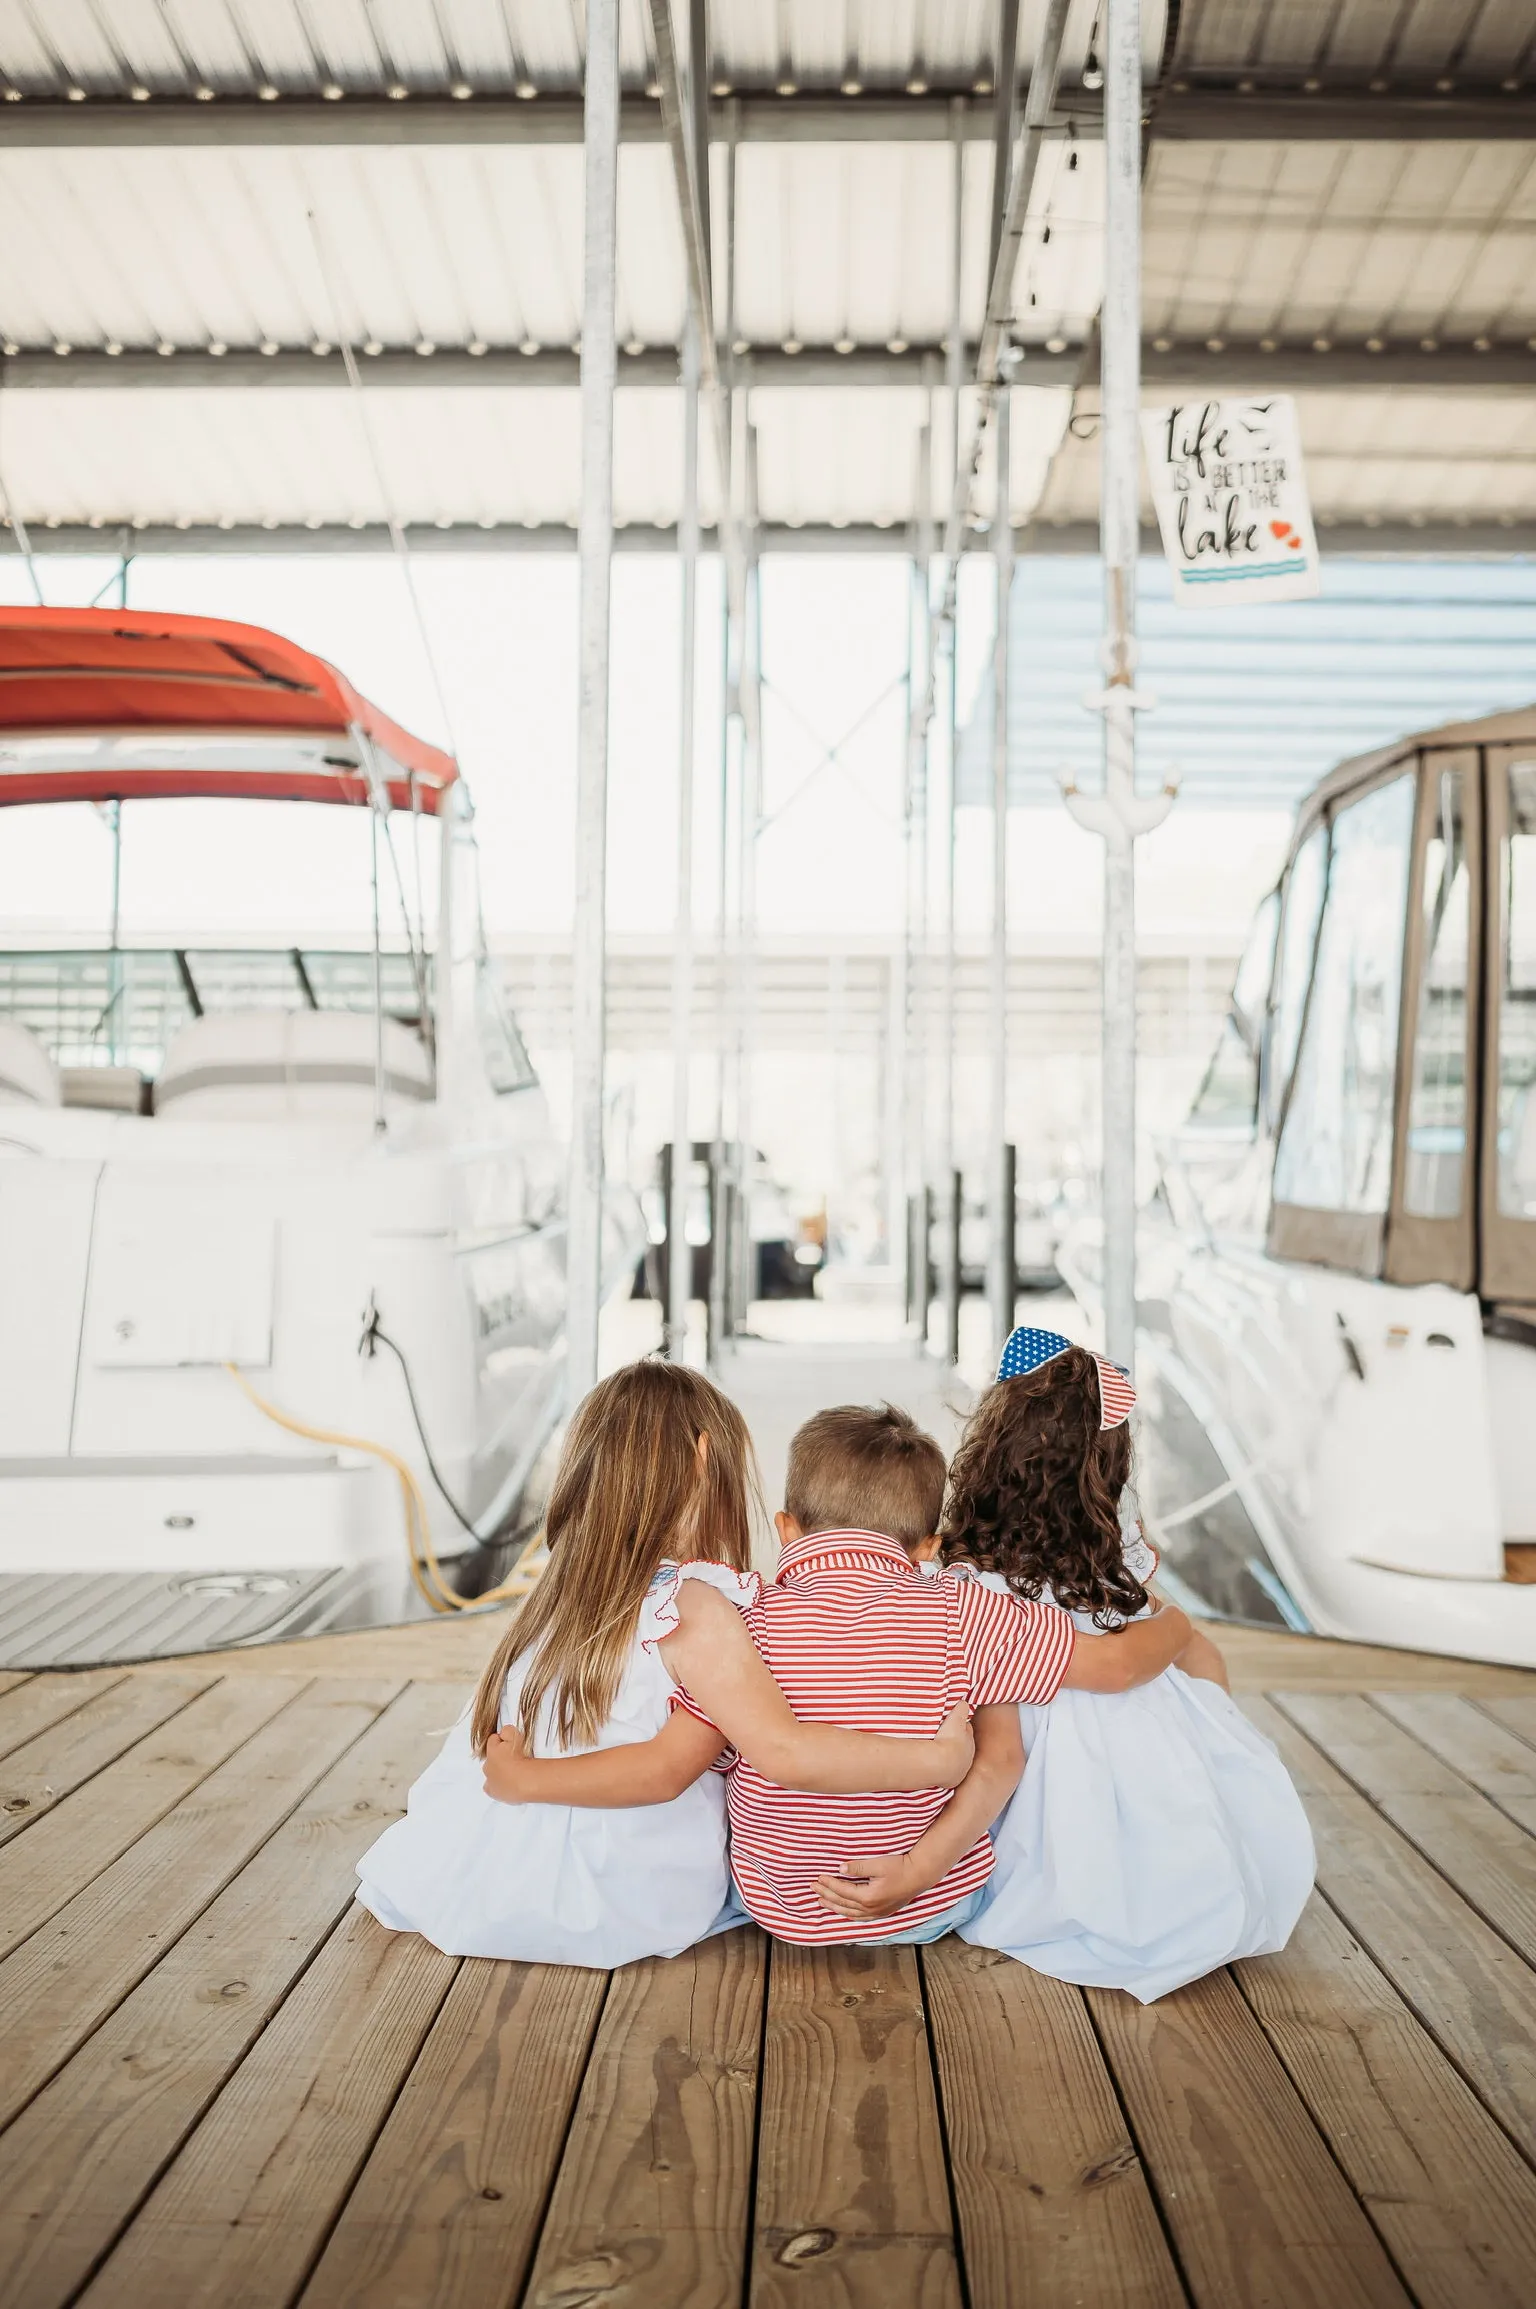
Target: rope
(426,1572)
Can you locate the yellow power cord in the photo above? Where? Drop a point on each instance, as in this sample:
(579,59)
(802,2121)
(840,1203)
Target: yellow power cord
(426,1571)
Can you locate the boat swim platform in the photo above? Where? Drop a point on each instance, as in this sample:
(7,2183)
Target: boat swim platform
(222,2083)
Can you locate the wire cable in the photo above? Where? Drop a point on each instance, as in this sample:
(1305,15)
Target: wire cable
(374,1334)
(427,1575)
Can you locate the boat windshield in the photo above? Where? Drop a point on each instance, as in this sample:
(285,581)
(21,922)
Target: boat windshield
(95,1008)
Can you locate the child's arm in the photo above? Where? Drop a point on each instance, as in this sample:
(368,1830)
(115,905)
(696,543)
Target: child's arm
(726,1676)
(1201,1658)
(1129,1656)
(879,1885)
(714,1658)
(644,1772)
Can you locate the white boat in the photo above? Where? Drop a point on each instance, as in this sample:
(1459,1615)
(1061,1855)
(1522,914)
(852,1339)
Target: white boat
(239,1187)
(1337,1323)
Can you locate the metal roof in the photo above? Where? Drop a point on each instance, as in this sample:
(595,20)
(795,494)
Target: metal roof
(199,198)
(1253,706)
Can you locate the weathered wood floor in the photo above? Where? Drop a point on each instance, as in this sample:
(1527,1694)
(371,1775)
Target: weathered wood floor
(221,2083)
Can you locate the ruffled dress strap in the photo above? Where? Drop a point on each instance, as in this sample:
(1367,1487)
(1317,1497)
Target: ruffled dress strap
(1141,1557)
(658,1613)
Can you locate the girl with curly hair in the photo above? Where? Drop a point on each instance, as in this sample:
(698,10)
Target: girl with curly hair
(1155,1834)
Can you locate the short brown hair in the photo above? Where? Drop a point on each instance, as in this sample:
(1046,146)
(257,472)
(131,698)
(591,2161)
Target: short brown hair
(865,1467)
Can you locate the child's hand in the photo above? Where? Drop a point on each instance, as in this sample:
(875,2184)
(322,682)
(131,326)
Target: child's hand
(507,1777)
(870,1888)
(954,1747)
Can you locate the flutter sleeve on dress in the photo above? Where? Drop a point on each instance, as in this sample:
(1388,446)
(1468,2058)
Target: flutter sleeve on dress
(658,1613)
(659,1619)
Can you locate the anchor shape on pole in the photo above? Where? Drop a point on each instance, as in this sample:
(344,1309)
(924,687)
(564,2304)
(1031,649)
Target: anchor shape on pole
(1119,815)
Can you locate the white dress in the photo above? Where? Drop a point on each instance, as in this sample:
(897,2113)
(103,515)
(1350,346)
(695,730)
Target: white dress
(552,1883)
(1154,1836)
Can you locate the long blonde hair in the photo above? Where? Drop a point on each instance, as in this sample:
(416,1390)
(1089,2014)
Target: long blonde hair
(657,1464)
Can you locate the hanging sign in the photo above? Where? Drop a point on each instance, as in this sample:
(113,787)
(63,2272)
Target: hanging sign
(1231,499)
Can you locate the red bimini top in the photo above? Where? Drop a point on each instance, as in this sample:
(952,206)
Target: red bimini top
(102,705)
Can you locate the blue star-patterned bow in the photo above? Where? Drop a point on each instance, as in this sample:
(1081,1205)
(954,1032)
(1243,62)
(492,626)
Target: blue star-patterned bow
(1027,1349)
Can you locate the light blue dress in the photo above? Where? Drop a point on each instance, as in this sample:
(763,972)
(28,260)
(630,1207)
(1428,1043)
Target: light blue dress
(557,1883)
(1154,1836)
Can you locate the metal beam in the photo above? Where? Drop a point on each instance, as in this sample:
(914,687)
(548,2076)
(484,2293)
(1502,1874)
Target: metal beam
(542,120)
(1235,365)
(1183,113)
(1188,114)
(1481,539)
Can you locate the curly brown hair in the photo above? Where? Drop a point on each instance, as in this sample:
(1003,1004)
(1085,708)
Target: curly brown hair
(1034,1491)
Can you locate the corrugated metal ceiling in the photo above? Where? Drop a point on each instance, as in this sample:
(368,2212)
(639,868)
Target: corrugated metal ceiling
(299,46)
(1355,40)
(436,244)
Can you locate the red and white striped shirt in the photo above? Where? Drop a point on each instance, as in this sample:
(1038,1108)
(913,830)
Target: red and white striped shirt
(856,1635)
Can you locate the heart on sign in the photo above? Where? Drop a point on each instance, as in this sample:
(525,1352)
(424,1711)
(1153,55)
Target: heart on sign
(1286,535)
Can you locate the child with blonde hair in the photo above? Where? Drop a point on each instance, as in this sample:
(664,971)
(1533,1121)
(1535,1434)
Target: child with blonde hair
(653,1491)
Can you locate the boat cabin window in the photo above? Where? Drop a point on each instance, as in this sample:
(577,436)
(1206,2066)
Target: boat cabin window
(1228,1096)
(1303,903)
(507,1063)
(1435,1164)
(1516,1123)
(1335,1150)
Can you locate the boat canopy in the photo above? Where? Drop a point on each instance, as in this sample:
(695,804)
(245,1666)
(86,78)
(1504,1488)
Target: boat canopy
(103,705)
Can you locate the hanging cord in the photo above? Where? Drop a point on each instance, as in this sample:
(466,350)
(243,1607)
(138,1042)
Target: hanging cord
(426,1572)
(397,537)
(24,542)
(375,1336)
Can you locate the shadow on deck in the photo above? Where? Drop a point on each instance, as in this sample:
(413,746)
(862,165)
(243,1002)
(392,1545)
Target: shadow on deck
(222,2083)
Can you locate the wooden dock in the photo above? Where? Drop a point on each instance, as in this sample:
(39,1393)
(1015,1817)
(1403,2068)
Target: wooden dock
(221,2083)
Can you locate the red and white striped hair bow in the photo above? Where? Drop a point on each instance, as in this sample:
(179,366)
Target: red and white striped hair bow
(1028,1349)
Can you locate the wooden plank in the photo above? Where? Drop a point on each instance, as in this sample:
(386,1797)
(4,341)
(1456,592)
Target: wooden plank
(1482,1751)
(1046,2177)
(1517,1715)
(11,1677)
(1476,1997)
(30,1704)
(852,2207)
(239,2218)
(1490,1860)
(81,1964)
(652,2202)
(63,1755)
(76,2162)
(1454,2203)
(1263,1660)
(1257,2209)
(448,2206)
(90,1829)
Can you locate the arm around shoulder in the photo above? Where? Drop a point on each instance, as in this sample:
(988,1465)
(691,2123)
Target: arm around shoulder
(1130,1656)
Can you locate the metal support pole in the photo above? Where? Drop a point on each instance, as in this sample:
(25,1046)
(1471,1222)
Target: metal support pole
(750,821)
(1119,521)
(915,818)
(584,1204)
(445,1054)
(378,970)
(1118,814)
(1005,83)
(114,812)
(719,1309)
(949,1279)
(1000,1233)
(679,1284)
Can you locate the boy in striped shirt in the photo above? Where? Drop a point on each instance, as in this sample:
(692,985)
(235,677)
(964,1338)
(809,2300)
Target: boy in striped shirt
(856,1635)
